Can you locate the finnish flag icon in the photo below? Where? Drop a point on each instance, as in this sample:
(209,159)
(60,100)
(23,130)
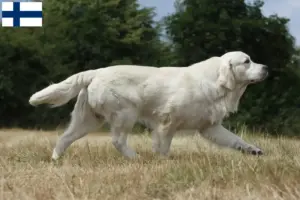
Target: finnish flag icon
(22,14)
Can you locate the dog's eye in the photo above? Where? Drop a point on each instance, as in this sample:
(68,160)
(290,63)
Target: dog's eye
(247,61)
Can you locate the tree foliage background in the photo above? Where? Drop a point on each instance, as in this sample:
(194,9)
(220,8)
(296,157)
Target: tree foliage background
(79,35)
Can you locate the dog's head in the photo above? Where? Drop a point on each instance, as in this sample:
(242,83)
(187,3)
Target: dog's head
(238,68)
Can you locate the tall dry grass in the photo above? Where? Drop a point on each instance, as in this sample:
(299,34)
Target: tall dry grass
(92,169)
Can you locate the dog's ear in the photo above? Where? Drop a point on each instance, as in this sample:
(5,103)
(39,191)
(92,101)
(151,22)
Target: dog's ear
(226,77)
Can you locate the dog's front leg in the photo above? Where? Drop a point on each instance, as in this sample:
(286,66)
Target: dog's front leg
(221,136)
(155,141)
(165,142)
(163,135)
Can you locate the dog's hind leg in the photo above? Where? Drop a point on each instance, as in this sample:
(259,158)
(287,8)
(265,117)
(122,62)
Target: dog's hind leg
(121,124)
(83,121)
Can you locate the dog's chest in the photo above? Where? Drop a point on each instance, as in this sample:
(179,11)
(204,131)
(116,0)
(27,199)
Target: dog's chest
(199,115)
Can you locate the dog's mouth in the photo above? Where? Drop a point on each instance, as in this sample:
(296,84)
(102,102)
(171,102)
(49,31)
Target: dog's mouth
(261,79)
(256,80)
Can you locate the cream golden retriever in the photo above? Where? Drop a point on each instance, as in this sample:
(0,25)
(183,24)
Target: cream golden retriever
(165,99)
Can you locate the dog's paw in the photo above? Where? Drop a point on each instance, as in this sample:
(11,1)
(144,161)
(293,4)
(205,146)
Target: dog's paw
(251,150)
(54,156)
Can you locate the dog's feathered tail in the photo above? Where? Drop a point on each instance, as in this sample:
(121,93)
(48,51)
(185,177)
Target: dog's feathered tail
(59,94)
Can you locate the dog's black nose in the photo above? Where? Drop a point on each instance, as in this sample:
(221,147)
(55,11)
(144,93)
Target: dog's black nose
(265,70)
(265,67)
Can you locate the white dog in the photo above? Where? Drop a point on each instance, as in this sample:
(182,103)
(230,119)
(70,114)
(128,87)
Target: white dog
(166,99)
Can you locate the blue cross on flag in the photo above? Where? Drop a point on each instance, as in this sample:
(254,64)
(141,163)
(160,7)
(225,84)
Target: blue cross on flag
(22,14)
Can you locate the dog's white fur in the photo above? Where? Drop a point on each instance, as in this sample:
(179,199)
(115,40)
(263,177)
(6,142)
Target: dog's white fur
(165,99)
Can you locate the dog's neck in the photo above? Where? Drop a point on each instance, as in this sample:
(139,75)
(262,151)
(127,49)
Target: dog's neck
(207,81)
(231,98)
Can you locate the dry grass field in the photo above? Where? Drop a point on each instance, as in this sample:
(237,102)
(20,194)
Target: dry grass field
(92,169)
